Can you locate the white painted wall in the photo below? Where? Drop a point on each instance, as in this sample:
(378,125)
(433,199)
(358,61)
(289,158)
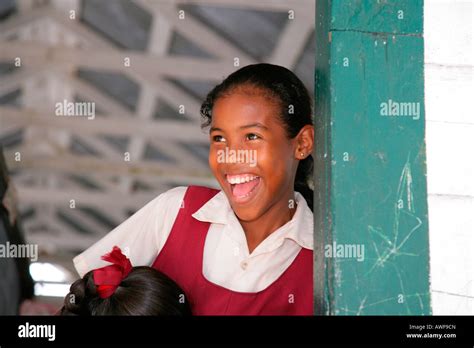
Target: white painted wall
(449,97)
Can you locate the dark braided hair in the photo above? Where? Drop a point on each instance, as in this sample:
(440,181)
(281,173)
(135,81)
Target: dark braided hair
(283,87)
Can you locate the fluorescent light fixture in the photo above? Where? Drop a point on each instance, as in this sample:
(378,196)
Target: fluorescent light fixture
(51,280)
(48,272)
(51,289)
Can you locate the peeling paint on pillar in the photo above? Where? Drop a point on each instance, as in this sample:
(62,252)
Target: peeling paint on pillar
(370,159)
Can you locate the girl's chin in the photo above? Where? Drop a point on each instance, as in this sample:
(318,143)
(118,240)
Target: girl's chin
(246,214)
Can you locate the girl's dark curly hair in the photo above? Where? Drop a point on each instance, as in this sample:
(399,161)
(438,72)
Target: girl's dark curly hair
(284,88)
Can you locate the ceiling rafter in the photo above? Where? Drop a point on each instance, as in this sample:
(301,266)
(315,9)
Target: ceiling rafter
(164,130)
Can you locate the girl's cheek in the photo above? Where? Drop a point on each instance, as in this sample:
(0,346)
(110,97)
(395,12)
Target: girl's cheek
(212,158)
(267,157)
(275,163)
(215,161)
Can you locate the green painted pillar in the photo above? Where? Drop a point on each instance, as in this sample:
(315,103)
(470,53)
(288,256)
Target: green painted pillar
(371,241)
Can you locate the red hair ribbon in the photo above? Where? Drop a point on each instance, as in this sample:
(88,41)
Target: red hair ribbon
(108,278)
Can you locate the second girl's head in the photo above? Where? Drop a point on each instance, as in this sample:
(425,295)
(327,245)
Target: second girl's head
(120,289)
(261,133)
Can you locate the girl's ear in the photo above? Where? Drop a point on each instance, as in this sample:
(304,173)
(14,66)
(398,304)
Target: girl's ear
(304,142)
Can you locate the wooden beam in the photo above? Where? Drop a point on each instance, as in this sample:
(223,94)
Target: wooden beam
(162,130)
(137,145)
(161,34)
(261,5)
(35,54)
(159,182)
(88,164)
(100,176)
(83,198)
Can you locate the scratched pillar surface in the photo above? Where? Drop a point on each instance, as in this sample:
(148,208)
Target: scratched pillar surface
(371,213)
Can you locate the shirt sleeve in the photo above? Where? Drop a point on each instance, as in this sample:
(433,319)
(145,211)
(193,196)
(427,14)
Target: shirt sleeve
(141,237)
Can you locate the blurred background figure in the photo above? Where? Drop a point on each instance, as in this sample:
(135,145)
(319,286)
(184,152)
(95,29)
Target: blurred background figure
(16,284)
(137,72)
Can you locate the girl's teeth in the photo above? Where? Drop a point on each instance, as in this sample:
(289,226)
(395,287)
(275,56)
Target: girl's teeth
(241,179)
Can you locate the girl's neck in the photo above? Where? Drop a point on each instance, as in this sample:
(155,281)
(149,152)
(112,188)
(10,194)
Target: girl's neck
(256,231)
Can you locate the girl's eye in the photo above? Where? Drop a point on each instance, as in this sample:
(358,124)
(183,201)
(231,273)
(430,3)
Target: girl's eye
(218,138)
(252,136)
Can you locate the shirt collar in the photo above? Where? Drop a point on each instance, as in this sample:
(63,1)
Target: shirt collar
(299,229)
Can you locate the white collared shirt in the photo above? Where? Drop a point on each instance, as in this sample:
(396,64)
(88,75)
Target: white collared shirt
(226,260)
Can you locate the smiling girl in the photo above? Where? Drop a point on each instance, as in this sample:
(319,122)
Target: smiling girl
(247,249)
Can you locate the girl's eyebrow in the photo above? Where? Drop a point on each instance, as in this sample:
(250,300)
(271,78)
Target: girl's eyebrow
(212,129)
(258,125)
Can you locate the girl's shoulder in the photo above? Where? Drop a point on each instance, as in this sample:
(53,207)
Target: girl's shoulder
(176,192)
(197,195)
(180,191)
(164,201)
(169,198)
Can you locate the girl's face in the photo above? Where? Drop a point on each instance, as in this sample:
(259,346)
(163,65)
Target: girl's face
(250,153)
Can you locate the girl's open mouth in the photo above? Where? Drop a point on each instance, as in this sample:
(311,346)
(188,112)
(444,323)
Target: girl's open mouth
(243,186)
